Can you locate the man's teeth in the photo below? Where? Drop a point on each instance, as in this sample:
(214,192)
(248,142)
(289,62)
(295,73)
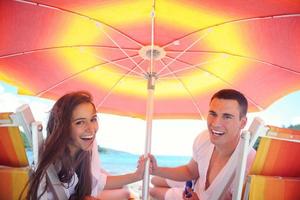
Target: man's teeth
(217,132)
(87,137)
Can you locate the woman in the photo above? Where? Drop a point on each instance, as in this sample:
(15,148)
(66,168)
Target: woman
(67,154)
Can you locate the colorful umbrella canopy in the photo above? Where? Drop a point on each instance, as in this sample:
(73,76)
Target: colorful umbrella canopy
(50,47)
(120,50)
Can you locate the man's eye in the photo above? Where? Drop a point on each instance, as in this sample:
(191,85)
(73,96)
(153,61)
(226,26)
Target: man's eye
(227,117)
(95,119)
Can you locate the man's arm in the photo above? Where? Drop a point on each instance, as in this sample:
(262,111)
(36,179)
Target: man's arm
(180,173)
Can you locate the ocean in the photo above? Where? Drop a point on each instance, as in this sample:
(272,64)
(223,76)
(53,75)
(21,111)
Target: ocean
(116,162)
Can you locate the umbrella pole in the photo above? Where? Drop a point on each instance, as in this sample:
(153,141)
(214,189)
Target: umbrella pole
(149,114)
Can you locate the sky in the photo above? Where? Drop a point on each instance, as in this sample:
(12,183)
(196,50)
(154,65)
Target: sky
(169,137)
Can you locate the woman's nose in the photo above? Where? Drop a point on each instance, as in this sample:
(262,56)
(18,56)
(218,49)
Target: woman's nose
(92,127)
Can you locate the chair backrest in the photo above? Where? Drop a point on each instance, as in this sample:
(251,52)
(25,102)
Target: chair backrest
(276,168)
(12,182)
(23,117)
(285,133)
(12,147)
(277,157)
(14,165)
(270,188)
(5,118)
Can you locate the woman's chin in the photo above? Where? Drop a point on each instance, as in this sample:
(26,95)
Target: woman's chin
(87,147)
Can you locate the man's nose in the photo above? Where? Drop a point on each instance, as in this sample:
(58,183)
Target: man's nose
(216,121)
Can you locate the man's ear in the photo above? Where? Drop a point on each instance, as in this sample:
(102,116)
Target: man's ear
(243,122)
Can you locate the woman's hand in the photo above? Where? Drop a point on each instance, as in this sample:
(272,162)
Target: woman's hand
(142,164)
(141,167)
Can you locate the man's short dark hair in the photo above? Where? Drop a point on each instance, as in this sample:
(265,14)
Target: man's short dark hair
(233,95)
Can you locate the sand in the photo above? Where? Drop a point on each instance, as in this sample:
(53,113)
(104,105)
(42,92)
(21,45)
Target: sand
(137,188)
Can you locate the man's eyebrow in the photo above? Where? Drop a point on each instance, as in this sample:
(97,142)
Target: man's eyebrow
(228,115)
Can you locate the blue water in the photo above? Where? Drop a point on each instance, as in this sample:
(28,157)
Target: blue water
(120,162)
(116,164)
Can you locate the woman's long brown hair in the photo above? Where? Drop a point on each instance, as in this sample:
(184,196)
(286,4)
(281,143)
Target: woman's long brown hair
(56,149)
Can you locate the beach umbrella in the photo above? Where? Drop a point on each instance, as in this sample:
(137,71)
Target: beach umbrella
(151,59)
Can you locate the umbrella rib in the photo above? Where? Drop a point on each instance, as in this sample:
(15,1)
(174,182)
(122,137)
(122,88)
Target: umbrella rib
(50,48)
(187,90)
(248,58)
(81,15)
(59,47)
(248,97)
(263,62)
(190,65)
(218,77)
(117,64)
(39,94)
(231,22)
(107,35)
(117,83)
(184,51)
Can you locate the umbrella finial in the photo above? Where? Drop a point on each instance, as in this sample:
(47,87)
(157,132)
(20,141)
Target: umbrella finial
(157,52)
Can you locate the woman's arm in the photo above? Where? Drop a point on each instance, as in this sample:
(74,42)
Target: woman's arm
(118,181)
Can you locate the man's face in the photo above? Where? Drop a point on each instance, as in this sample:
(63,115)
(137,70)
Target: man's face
(224,122)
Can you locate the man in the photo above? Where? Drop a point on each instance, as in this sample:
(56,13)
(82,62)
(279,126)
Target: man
(213,152)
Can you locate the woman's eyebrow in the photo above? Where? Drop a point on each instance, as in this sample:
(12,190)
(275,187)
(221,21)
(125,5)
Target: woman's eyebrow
(80,118)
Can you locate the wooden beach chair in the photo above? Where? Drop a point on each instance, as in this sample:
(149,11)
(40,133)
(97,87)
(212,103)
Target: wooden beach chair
(275,173)
(279,144)
(13,181)
(273,188)
(12,147)
(14,165)
(277,157)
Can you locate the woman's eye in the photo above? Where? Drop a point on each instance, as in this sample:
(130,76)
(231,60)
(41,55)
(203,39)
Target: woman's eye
(213,114)
(80,123)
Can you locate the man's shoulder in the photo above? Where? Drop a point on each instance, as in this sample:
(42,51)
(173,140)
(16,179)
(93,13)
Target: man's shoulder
(203,136)
(201,141)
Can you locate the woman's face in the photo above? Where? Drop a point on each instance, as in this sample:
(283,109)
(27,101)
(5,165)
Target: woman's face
(84,126)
